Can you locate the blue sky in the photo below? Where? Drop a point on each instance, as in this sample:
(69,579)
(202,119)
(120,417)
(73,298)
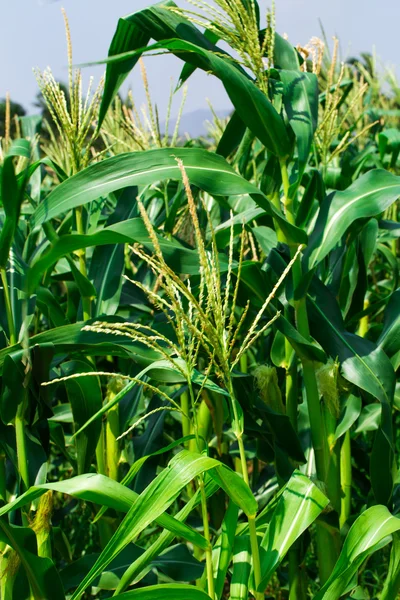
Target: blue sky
(33,35)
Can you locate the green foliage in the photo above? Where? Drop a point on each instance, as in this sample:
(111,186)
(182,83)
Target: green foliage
(199,339)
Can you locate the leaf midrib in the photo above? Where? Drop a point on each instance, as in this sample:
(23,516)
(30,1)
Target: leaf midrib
(343,209)
(139,173)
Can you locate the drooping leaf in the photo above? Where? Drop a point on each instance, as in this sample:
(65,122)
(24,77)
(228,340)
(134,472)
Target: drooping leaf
(193,47)
(71,338)
(104,491)
(206,170)
(134,31)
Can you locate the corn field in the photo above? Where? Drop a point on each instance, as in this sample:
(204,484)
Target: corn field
(200,338)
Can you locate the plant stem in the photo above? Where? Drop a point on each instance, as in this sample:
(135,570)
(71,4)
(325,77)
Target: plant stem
(327,546)
(345,479)
(185,406)
(3,487)
(291,383)
(100,454)
(297,575)
(22,455)
(201,426)
(332,467)
(7,301)
(209,564)
(112,445)
(205,417)
(364,322)
(86,302)
(255,551)
(310,381)
(104,528)
(243,460)
(244,362)
(251,519)
(298,584)
(394,241)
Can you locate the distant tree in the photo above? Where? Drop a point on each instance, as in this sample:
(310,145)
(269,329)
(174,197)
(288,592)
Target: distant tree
(15,109)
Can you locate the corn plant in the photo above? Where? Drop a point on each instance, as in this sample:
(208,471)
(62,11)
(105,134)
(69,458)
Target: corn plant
(200,338)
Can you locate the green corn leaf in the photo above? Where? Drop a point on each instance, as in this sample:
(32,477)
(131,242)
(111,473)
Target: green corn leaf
(392,582)
(313,193)
(300,98)
(365,535)
(251,104)
(176,562)
(370,418)
(159,23)
(160,494)
(12,393)
(106,492)
(133,32)
(85,397)
(135,572)
(188,69)
(350,414)
(72,574)
(389,340)
(365,365)
(126,232)
(160,370)
(241,568)
(255,281)
(232,136)
(71,338)
(42,575)
(299,505)
(107,264)
(167,591)
(137,465)
(285,55)
(223,548)
(48,306)
(370,195)
(392,263)
(362,362)
(389,143)
(206,170)
(12,194)
(179,564)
